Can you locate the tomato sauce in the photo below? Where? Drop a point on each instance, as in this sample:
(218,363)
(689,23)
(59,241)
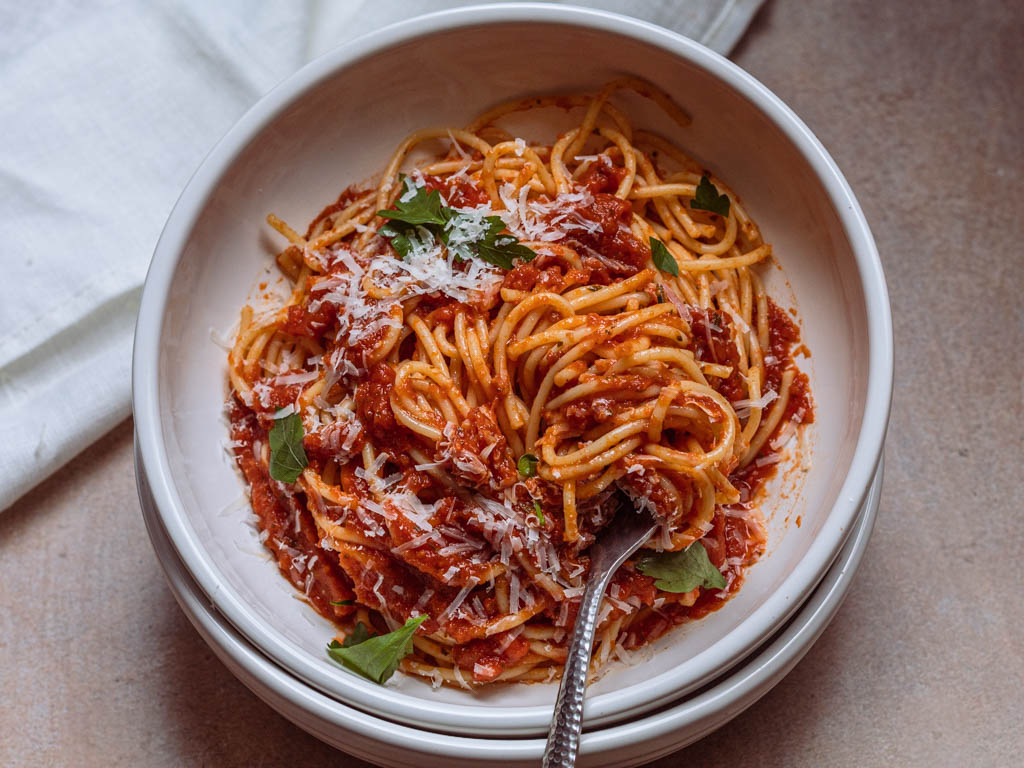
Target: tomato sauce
(489,657)
(732,545)
(629,582)
(373,406)
(331,441)
(595,409)
(712,337)
(458,191)
(300,321)
(644,486)
(783,336)
(427,558)
(291,534)
(441,312)
(544,275)
(623,254)
(602,176)
(270,397)
(476,435)
(382,581)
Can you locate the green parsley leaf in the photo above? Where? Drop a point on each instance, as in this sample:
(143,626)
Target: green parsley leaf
(424,207)
(343,602)
(662,258)
(399,240)
(359,634)
(708,198)
(527,465)
(287,458)
(375,658)
(500,250)
(682,571)
(538,511)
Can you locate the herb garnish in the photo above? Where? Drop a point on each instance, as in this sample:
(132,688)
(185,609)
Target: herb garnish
(359,634)
(399,240)
(662,258)
(538,512)
(343,602)
(287,458)
(375,658)
(423,213)
(708,198)
(682,571)
(527,465)
(500,249)
(425,207)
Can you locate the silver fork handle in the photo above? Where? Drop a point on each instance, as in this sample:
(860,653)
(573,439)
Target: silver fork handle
(567,723)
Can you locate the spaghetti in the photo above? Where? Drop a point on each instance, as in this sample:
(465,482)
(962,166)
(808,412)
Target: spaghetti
(483,356)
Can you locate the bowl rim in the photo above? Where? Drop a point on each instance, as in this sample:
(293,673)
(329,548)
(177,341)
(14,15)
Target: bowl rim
(711,708)
(603,708)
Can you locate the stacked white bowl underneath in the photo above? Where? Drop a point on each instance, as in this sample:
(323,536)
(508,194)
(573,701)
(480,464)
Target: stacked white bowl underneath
(332,124)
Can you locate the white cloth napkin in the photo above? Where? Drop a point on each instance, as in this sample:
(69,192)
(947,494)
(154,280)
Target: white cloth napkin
(107,109)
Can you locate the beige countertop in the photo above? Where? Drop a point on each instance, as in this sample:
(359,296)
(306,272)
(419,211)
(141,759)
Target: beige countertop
(921,106)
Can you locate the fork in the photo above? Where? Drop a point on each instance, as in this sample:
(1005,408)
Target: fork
(627,532)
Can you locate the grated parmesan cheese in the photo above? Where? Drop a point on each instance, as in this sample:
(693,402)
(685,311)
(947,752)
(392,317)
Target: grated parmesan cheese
(424,598)
(296,377)
(743,407)
(783,438)
(459,678)
(514,593)
(510,636)
(454,605)
(376,589)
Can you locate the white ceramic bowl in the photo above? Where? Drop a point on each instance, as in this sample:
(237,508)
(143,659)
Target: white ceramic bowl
(334,122)
(635,743)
